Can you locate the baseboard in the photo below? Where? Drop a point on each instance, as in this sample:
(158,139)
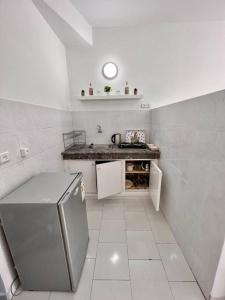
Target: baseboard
(124,195)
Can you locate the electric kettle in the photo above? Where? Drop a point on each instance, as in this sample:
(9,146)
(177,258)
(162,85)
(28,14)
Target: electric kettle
(116,138)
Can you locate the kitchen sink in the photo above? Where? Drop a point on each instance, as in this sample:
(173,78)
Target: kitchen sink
(102,146)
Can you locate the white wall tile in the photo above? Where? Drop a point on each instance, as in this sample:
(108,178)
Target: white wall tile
(111,122)
(38,128)
(191,139)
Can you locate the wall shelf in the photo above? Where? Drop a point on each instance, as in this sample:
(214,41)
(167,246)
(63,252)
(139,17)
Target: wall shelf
(110,97)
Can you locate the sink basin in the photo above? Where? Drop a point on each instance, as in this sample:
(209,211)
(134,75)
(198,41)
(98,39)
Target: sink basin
(102,147)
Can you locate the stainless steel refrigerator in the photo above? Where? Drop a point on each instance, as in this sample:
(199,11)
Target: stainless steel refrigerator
(45,224)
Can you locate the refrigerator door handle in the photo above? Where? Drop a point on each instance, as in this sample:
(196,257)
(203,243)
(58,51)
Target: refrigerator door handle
(72,189)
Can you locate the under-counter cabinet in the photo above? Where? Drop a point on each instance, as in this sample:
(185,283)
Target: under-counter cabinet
(88,169)
(110,177)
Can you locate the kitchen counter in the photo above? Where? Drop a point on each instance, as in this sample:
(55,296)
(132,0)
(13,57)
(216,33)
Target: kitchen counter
(105,151)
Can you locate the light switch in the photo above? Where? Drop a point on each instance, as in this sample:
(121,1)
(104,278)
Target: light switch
(4,157)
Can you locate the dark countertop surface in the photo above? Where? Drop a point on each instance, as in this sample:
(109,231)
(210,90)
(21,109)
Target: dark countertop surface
(104,151)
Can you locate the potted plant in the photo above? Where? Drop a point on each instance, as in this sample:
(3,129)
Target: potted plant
(107,89)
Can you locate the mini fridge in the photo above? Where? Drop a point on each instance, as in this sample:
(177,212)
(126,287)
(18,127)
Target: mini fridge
(45,225)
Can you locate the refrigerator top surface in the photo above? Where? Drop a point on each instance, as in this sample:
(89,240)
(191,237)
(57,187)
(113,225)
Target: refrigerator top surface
(44,188)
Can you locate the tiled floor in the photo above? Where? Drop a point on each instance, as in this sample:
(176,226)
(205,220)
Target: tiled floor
(132,255)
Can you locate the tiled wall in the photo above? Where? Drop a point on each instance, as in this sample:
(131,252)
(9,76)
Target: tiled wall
(36,127)
(191,135)
(111,122)
(40,129)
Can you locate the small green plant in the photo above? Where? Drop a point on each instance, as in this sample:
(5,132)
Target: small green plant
(107,89)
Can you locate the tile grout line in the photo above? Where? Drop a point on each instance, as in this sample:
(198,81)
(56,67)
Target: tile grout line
(49,295)
(165,273)
(131,291)
(126,231)
(92,283)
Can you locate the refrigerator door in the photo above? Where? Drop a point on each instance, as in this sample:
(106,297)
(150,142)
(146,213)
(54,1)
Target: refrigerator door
(73,217)
(35,240)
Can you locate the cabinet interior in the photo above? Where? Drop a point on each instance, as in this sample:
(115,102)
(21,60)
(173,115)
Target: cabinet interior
(137,174)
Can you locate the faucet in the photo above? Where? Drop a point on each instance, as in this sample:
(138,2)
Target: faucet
(99,128)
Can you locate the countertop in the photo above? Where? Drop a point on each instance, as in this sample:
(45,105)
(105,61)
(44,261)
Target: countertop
(104,151)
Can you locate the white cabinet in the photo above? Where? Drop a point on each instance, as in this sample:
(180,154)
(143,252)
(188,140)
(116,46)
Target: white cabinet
(155,184)
(87,167)
(109,178)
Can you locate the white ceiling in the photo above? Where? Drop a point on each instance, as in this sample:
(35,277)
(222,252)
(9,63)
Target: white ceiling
(111,13)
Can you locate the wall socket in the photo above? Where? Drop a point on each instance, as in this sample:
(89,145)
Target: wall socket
(24,152)
(4,157)
(145,105)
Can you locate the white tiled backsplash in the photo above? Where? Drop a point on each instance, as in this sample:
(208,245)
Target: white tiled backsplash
(36,127)
(40,129)
(111,122)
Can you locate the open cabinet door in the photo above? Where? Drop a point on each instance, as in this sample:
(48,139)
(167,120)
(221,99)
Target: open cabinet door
(155,184)
(109,178)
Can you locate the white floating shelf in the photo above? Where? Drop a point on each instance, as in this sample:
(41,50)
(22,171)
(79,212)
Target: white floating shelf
(111,97)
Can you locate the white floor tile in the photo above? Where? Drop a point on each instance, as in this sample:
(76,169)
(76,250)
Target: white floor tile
(33,296)
(93,243)
(148,280)
(137,221)
(135,205)
(161,230)
(186,291)
(147,202)
(111,290)
(113,201)
(141,245)
(94,219)
(111,245)
(113,212)
(147,271)
(174,263)
(84,289)
(112,231)
(151,291)
(94,204)
(112,262)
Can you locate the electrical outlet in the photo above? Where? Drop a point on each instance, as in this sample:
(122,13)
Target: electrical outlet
(24,152)
(4,157)
(145,105)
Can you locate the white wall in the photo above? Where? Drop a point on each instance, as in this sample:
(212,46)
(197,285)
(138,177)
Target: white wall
(111,122)
(166,62)
(192,194)
(33,65)
(66,10)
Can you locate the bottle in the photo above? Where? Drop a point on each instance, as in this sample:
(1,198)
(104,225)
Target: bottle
(135,91)
(126,89)
(91,92)
(82,92)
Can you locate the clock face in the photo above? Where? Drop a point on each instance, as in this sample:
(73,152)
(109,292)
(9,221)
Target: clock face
(110,70)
